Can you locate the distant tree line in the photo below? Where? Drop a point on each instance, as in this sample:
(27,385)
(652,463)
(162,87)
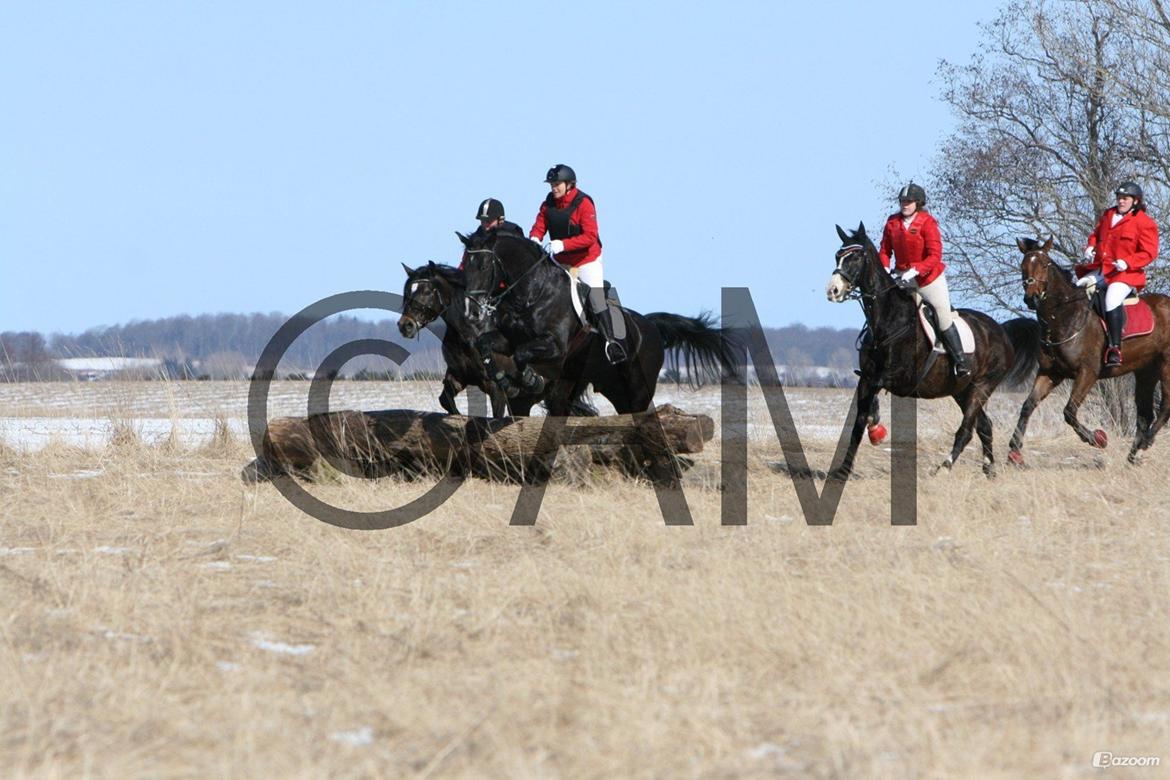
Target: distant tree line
(225,346)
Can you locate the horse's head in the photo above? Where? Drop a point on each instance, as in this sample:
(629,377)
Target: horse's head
(427,293)
(492,259)
(852,257)
(1036,269)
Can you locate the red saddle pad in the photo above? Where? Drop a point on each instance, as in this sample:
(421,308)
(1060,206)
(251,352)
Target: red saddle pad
(1139,320)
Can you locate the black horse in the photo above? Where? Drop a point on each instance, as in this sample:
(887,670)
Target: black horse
(897,357)
(526,298)
(433,291)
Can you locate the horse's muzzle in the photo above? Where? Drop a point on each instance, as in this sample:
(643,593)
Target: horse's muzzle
(408,327)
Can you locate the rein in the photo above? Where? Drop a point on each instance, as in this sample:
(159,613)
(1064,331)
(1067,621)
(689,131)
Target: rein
(487,301)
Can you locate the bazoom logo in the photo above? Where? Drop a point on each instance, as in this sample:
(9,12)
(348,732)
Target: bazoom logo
(1103,759)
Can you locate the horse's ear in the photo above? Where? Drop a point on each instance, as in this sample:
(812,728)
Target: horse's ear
(407,268)
(860,230)
(430,265)
(462,238)
(844,236)
(1022,243)
(1048,243)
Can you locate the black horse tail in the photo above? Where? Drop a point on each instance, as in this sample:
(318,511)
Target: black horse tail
(1024,333)
(701,348)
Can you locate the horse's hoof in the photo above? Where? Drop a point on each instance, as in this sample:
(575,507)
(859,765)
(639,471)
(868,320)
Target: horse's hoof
(1135,458)
(1016,458)
(946,464)
(841,474)
(877,434)
(1100,439)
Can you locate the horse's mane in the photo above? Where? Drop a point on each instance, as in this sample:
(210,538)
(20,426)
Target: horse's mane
(447,273)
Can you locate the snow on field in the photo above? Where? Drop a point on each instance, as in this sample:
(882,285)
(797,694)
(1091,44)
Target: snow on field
(85,414)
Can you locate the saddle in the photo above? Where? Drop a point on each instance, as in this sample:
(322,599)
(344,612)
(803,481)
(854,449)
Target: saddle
(929,329)
(580,295)
(1139,317)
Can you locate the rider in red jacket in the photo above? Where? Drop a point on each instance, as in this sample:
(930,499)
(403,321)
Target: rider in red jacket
(911,235)
(1124,243)
(569,217)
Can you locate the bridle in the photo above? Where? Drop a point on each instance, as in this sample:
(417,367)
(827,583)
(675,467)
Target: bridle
(1036,300)
(487,301)
(413,305)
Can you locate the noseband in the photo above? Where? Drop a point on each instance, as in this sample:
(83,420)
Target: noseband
(430,314)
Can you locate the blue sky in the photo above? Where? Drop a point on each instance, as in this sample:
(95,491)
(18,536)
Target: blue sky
(168,158)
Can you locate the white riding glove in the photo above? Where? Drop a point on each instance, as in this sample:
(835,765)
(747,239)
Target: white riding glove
(535,240)
(1120,265)
(556,246)
(1087,281)
(1090,253)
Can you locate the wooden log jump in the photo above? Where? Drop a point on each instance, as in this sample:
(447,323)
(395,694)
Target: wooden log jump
(523,449)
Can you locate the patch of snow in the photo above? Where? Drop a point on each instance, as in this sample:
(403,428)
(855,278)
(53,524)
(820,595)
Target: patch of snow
(355,738)
(263,643)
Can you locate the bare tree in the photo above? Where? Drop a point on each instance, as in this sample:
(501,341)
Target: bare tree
(1051,117)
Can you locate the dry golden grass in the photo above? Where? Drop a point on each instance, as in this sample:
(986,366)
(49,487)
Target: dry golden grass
(164,619)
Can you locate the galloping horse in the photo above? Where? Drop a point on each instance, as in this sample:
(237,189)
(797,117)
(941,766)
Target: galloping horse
(901,360)
(527,299)
(1072,344)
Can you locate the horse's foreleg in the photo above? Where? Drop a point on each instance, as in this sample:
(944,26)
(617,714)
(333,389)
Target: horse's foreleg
(971,401)
(543,349)
(452,387)
(1040,390)
(486,346)
(866,398)
(1081,387)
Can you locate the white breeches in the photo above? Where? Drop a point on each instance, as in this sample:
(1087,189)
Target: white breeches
(1115,294)
(939,298)
(591,273)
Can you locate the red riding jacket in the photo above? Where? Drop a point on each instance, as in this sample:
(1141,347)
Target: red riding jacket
(1133,239)
(582,248)
(918,247)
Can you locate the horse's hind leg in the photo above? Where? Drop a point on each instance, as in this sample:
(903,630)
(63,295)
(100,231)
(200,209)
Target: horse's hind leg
(971,402)
(1040,390)
(1143,397)
(983,428)
(1163,409)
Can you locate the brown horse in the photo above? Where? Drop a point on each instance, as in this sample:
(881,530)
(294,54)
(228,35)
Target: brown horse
(1072,345)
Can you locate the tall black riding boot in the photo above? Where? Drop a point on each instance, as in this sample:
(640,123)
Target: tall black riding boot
(1115,326)
(612,324)
(954,346)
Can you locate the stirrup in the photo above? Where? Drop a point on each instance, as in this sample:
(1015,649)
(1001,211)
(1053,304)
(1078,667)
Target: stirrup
(1113,356)
(614,352)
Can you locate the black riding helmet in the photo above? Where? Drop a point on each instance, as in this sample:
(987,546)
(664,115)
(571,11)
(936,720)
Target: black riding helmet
(490,209)
(913,192)
(1129,188)
(560,172)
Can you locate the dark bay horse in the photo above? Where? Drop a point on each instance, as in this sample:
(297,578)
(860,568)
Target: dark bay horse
(1072,345)
(526,297)
(432,291)
(899,358)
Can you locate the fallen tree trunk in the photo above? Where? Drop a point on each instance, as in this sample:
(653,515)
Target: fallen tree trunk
(523,449)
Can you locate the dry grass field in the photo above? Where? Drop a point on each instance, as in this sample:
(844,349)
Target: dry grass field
(162,618)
